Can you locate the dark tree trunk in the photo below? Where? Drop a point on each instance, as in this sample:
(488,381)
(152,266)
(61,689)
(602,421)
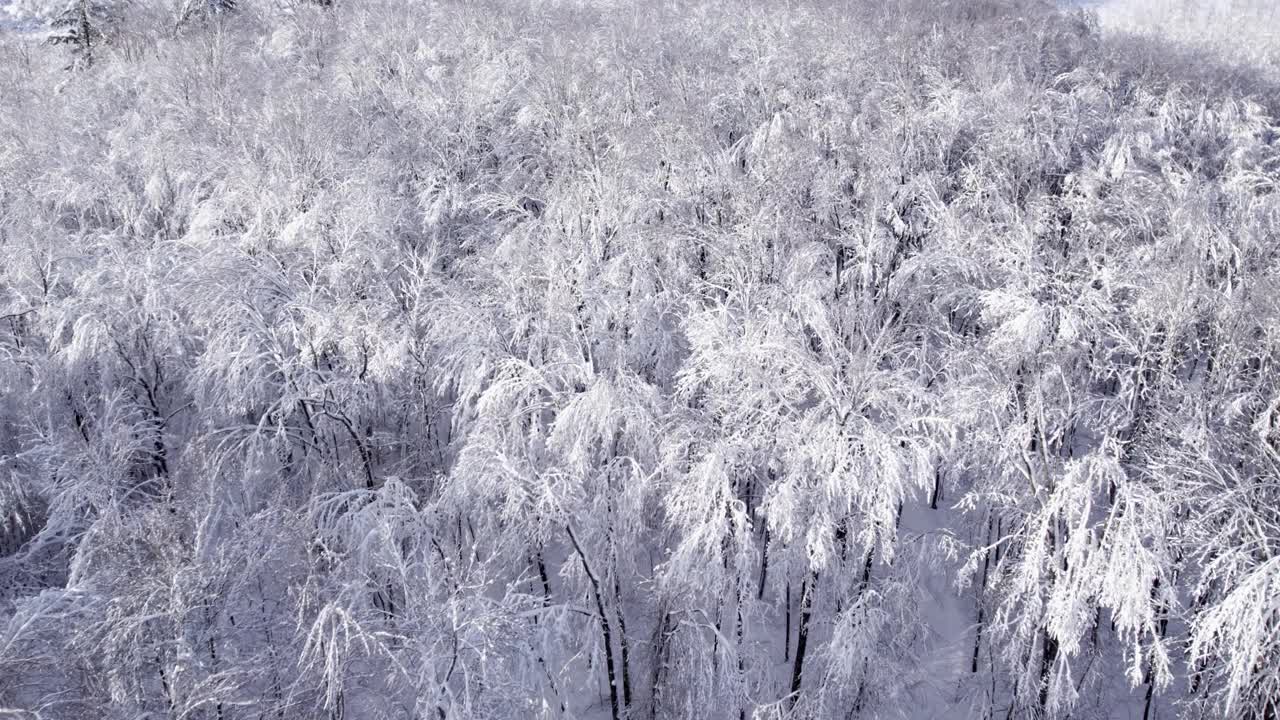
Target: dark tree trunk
(1047,658)
(605,630)
(786,644)
(802,636)
(977,640)
(764,565)
(660,653)
(623,645)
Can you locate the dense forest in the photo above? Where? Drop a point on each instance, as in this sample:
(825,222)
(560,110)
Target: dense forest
(380,359)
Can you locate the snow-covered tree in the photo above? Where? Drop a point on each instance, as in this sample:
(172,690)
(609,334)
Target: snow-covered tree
(710,359)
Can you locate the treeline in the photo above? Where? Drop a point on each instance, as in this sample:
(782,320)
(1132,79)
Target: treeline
(696,359)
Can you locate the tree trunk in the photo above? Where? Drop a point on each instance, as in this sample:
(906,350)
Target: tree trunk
(622,643)
(802,636)
(786,645)
(977,640)
(1047,658)
(764,564)
(660,651)
(605,630)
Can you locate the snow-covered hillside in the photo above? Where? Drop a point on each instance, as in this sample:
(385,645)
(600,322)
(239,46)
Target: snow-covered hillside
(848,359)
(1238,30)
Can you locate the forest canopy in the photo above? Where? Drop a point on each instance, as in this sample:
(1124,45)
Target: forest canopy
(374,359)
